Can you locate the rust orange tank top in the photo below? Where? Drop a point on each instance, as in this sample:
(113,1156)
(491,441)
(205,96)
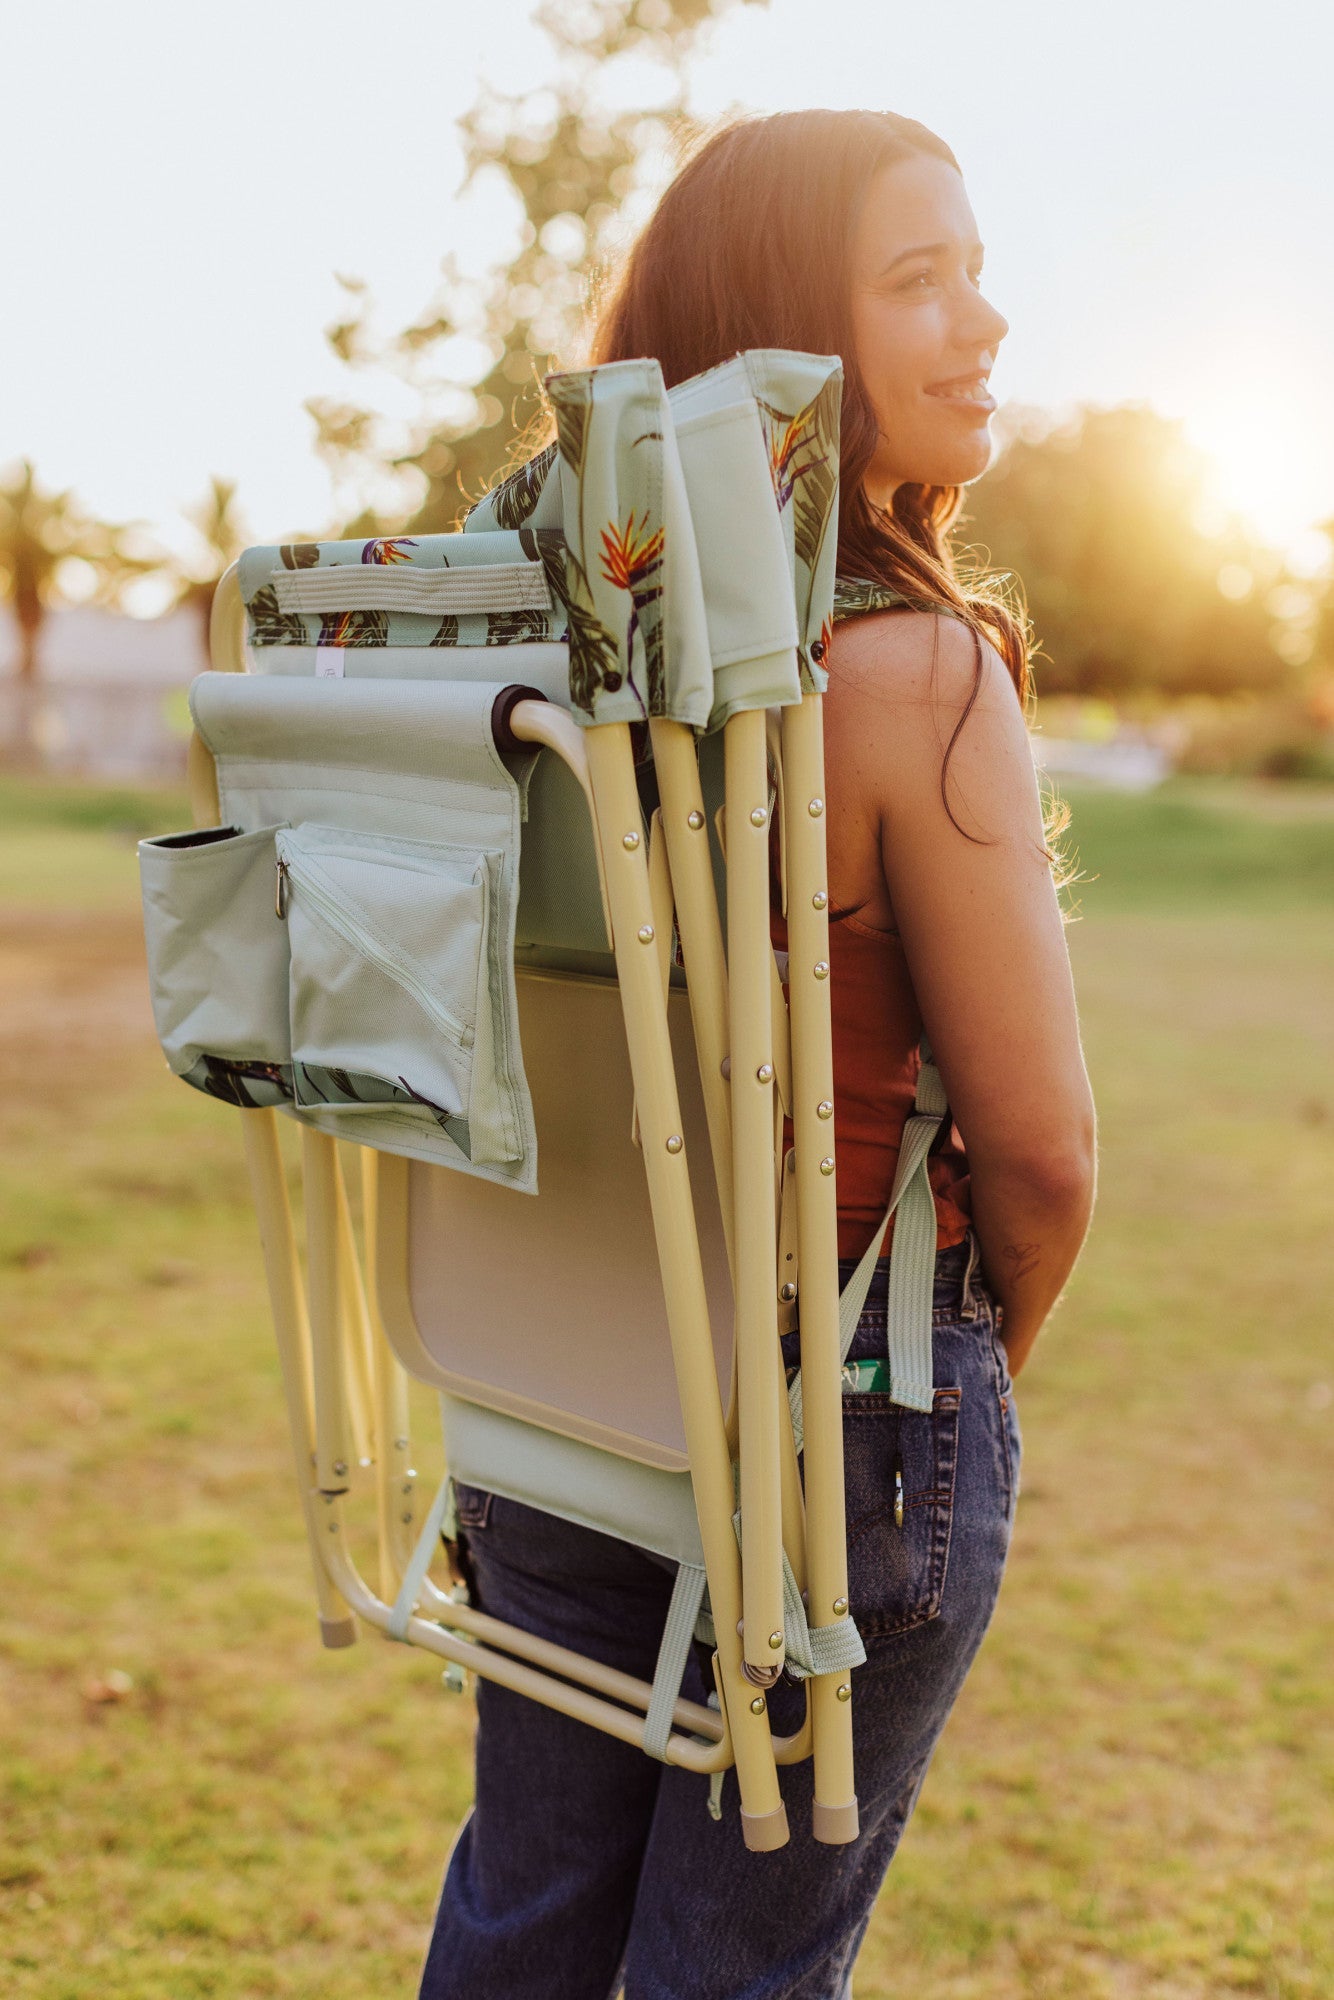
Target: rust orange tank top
(877,1028)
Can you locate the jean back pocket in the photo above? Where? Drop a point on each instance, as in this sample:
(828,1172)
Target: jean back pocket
(899,1468)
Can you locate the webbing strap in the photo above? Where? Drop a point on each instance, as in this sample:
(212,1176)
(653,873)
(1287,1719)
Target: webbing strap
(406,1601)
(673,1651)
(816,1649)
(912,1267)
(807,1649)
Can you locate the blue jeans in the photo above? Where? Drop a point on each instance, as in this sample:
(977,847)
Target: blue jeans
(583,1862)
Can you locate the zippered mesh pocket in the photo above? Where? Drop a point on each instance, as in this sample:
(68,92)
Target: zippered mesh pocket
(389,961)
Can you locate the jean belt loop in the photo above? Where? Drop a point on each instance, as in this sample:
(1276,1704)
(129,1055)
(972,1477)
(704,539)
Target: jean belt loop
(968,1303)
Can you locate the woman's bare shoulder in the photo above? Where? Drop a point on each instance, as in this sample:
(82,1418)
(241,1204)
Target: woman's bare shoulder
(900,683)
(894,658)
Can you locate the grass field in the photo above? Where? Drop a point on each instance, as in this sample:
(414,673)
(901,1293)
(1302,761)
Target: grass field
(1136,1794)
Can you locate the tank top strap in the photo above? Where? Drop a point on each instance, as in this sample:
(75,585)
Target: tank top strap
(856,596)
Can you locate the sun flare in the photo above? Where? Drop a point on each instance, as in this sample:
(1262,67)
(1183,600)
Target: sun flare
(1270,461)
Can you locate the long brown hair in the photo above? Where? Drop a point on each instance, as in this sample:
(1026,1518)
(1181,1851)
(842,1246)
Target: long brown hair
(750,247)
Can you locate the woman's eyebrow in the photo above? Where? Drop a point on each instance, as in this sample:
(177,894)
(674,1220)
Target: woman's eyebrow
(927,250)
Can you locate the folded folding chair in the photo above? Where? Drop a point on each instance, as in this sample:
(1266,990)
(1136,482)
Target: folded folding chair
(480,886)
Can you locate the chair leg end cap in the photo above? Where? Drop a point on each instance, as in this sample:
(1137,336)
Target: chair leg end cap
(764,1831)
(834,1825)
(336,1632)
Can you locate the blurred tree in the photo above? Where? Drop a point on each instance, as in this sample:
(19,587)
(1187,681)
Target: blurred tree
(1134,580)
(222,536)
(571,161)
(44,538)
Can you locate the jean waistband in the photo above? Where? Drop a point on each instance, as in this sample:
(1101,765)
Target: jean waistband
(958,1286)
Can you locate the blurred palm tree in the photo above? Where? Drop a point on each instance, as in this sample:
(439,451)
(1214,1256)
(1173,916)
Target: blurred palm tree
(43,536)
(222,536)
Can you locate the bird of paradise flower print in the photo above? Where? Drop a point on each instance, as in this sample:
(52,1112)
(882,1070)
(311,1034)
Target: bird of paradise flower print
(395,551)
(803,460)
(354,628)
(632,562)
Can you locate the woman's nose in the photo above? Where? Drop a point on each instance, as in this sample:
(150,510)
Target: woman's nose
(993,324)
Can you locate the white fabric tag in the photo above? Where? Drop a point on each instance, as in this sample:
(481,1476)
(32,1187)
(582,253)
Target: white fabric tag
(329,663)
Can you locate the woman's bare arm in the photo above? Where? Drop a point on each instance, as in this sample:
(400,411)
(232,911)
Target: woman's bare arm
(982,935)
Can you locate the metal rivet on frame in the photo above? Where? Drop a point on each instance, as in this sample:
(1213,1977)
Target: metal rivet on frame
(758,816)
(340,1467)
(815,808)
(843,1691)
(827,1166)
(646,933)
(787,1292)
(630,840)
(820,900)
(765,1073)
(695,820)
(821,968)
(675,1143)
(840,1606)
(775,1640)
(825,1108)
(757,1706)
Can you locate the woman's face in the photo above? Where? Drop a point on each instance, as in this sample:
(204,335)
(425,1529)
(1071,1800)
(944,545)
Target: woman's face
(925,337)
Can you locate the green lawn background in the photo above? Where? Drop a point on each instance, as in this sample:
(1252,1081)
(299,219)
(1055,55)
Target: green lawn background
(1134,1797)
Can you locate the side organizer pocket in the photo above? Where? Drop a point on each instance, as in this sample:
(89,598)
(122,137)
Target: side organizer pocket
(217,961)
(390,1000)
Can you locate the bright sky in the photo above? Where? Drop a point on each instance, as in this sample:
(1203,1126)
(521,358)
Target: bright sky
(1154,180)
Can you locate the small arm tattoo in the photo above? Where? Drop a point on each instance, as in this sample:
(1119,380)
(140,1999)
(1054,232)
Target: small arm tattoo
(1021,1258)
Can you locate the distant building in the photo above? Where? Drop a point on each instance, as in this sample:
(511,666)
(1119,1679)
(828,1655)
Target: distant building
(110,703)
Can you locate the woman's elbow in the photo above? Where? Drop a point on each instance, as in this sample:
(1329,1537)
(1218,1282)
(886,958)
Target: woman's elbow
(1058,1176)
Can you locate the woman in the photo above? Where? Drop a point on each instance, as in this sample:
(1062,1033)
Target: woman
(847,233)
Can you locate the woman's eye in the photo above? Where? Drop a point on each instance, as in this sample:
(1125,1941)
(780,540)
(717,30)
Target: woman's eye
(917,281)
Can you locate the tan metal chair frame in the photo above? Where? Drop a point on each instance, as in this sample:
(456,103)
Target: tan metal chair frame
(346,1390)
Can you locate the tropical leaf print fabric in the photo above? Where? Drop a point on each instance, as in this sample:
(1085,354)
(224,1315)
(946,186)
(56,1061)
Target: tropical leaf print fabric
(519,500)
(605,511)
(638,634)
(271,626)
(854,596)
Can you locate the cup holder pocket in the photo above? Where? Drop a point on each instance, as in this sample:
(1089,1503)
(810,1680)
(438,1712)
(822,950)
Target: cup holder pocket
(389,960)
(218,961)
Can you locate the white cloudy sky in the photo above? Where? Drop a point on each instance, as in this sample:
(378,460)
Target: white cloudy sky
(1155,182)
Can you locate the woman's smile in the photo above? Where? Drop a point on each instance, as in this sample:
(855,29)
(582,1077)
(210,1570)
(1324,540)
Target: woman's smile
(969,393)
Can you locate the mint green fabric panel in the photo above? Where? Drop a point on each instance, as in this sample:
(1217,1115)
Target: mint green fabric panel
(742,558)
(641,1504)
(798,400)
(394,763)
(639,641)
(389,968)
(560,903)
(217,954)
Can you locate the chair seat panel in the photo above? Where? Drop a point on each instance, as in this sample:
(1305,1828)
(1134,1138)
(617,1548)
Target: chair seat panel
(580,1343)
